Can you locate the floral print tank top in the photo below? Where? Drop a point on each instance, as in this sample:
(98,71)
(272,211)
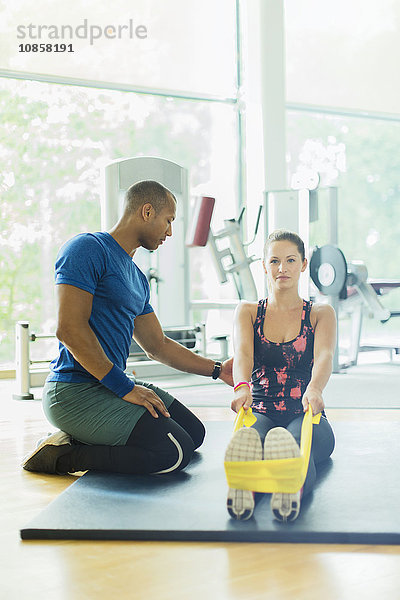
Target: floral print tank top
(282,370)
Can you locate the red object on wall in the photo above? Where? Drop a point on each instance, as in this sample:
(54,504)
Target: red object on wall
(199,229)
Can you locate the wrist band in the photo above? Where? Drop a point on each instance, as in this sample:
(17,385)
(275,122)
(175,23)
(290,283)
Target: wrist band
(118,382)
(217,369)
(237,386)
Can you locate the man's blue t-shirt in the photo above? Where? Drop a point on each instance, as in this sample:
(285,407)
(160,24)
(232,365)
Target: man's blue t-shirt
(95,262)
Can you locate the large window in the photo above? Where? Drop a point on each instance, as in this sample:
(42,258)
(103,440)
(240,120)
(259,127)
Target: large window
(343,94)
(343,54)
(54,143)
(86,83)
(184,45)
(359,155)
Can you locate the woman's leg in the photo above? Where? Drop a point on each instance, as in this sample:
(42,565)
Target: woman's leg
(246,444)
(323,443)
(263,425)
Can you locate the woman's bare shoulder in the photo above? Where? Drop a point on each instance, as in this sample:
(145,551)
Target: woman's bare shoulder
(321,311)
(246,309)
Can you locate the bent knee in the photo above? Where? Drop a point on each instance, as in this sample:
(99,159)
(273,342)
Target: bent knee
(199,435)
(323,443)
(180,453)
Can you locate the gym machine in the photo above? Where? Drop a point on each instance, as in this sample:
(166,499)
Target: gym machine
(349,290)
(172,309)
(229,253)
(231,259)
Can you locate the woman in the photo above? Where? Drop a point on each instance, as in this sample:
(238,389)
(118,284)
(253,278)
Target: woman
(283,351)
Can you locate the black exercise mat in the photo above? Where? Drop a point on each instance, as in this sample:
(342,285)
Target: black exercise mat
(356,499)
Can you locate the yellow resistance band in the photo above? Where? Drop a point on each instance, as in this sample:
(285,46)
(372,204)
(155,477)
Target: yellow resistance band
(284,475)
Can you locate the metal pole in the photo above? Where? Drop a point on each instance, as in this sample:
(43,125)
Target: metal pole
(334,302)
(241,123)
(22,361)
(201,329)
(333,216)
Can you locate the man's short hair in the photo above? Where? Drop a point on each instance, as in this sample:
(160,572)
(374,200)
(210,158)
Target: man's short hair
(147,191)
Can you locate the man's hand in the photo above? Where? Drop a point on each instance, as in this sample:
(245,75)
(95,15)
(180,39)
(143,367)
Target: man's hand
(148,399)
(226,372)
(313,397)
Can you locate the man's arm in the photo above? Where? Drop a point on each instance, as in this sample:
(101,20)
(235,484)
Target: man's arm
(150,336)
(74,331)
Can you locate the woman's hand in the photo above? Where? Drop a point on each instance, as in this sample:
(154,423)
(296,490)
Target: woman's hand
(243,398)
(148,399)
(313,397)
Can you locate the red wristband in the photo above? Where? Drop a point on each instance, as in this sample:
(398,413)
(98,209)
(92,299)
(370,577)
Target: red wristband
(238,385)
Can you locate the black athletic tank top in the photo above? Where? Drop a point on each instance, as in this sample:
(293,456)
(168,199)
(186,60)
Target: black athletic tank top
(282,370)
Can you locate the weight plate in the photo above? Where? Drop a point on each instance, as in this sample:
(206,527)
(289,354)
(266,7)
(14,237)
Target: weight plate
(328,269)
(326,274)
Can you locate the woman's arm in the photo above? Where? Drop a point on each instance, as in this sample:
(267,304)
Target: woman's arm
(243,341)
(324,349)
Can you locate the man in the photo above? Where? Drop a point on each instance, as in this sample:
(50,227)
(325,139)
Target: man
(108,422)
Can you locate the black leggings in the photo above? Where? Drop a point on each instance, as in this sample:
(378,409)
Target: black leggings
(323,441)
(155,445)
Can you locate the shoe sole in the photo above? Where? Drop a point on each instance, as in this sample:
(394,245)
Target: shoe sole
(244,445)
(279,443)
(37,462)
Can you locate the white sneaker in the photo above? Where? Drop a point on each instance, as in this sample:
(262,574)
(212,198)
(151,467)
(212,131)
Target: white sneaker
(279,443)
(244,445)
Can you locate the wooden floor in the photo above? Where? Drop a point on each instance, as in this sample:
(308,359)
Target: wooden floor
(79,570)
